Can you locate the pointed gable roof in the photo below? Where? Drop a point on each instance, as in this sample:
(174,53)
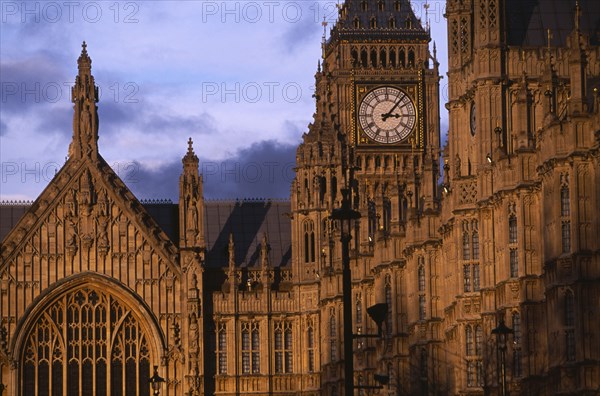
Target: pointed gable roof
(86,185)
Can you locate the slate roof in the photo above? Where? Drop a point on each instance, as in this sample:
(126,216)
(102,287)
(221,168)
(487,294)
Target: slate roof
(247,220)
(528,21)
(364,11)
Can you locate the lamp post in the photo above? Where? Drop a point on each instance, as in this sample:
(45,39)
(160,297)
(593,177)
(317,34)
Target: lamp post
(501,332)
(156,381)
(346,215)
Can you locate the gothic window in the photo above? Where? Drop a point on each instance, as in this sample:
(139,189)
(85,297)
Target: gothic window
(517,360)
(467,278)
(222,348)
(372,220)
(364,57)
(466,246)
(354,57)
(310,343)
(364,5)
(88,343)
(373,23)
(402,58)
(383,59)
(475,242)
(356,22)
(421,274)
(569,309)
(397,5)
(283,347)
(476,276)
(373,57)
(322,188)
(381,5)
(250,348)
(333,188)
(424,369)
(422,307)
(392,24)
(565,214)
(387,215)
(408,23)
(389,302)
(411,58)
(469,340)
(332,335)
(309,241)
(565,202)
(514,263)
(512,229)
(471,373)
(566,236)
(358,309)
(393,51)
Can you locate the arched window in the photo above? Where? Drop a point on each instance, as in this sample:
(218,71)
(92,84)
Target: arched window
(222,347)
(389,301)
(373,57)
(283,347)
(364,57)
(421,275)
(86,343)
(475,242)
(387,214)
(332,336)
(392,23)
(364,5)
(565,201)
(354,57)
(411,58)
(383,57)
(393,57)
(469,340)
(356,23)
(309,241)
(569,309)
(512,229)
(569,325)
(402,58)
(372,213)
(381,5)
(358,309)
(466,246)
(373,23)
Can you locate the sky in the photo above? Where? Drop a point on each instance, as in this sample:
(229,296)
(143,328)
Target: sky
(235,76)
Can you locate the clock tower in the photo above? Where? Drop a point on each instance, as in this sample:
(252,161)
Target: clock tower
(377,94)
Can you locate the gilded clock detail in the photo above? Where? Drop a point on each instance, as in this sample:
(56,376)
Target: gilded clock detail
(387,115)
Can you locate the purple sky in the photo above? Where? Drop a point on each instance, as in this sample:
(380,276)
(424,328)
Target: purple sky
(236,76)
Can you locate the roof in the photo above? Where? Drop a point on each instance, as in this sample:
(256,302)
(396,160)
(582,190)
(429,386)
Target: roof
(246,220)
(393,19)
(528,21)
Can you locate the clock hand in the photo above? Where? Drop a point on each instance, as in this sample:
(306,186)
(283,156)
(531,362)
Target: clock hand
(389,114)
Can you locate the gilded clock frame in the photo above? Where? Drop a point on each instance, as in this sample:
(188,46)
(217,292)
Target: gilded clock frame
(414,92)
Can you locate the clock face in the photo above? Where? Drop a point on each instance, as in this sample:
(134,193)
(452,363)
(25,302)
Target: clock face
(387,115)
(473,120)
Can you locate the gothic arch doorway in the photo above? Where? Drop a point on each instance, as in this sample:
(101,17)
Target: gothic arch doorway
(86,341)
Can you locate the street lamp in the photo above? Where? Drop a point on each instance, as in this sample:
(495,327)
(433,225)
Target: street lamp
(156,381)
(501,332)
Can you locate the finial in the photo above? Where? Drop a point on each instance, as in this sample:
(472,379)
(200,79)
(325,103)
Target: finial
(319,66)
(577,15)
(434,51)
(190,146)
(84,48)
(324,24)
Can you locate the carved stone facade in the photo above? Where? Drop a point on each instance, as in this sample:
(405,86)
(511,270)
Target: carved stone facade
(94,291)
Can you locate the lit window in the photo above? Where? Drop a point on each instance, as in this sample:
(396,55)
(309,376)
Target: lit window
(222,348)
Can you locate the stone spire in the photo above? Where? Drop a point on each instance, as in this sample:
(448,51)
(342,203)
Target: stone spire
(84,95)
(191,202)
(577,43)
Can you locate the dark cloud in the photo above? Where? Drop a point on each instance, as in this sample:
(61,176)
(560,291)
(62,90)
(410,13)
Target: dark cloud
(263,170)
